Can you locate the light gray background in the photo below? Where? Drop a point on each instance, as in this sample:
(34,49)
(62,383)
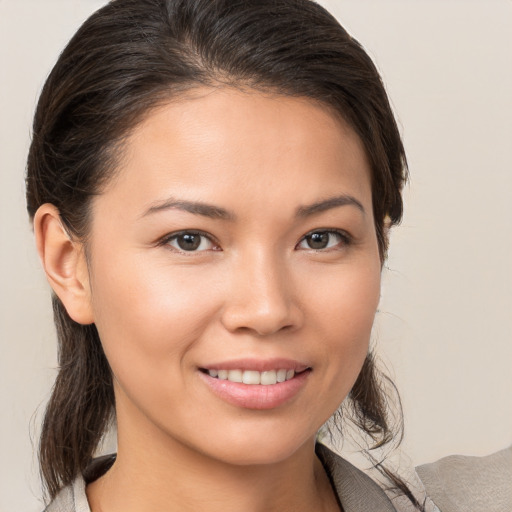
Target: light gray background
(444,329)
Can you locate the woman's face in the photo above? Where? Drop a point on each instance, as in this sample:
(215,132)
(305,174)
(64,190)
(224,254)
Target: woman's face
(237,240)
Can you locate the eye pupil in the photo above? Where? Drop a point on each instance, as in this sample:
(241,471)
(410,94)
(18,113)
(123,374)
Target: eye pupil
(318,240)
(189,241)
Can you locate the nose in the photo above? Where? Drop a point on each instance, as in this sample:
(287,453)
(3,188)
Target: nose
(262,299)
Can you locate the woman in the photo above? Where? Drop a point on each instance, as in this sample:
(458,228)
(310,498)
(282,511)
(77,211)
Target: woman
(211,185)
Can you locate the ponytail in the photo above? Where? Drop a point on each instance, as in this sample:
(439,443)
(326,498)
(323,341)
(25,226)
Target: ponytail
(81,405)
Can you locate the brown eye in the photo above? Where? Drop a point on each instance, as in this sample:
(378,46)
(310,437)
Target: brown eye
(319,240)
(190,242)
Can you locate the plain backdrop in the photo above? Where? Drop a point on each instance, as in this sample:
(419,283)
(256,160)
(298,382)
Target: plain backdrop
(444,328)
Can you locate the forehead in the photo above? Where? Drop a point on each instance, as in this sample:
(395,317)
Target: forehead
(269,147)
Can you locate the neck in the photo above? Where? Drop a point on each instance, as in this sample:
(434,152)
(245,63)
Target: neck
(167,476)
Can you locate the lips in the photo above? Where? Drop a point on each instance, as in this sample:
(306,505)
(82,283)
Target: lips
(256,384)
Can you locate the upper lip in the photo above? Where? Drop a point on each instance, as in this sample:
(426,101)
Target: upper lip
(259,365)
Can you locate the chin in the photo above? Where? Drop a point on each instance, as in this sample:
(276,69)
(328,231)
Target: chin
(250,449)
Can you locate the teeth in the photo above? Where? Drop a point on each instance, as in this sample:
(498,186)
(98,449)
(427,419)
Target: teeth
(268,378)
(235,375)
(252,377)
(281,375)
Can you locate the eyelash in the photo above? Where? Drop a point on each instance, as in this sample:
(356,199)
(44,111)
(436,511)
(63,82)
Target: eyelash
(174,236)
(345,240)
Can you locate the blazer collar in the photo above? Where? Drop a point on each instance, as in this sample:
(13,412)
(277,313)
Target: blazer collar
(356,491)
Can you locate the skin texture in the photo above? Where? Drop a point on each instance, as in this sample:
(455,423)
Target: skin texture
(254,289)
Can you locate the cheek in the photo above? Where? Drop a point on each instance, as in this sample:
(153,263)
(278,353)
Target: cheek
(345,316)
(147,312)
(347,300)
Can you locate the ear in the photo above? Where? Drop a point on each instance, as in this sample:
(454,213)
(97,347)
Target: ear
(64,263)
(388,224)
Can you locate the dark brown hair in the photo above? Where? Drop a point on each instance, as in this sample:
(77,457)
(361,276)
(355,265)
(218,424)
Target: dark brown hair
(128,58)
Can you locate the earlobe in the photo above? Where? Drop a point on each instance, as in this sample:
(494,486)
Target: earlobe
(64,263)
(388,223)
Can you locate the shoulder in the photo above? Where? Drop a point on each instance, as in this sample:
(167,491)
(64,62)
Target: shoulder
(459,483)
(73,498)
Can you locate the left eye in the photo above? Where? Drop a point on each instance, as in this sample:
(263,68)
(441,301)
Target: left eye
(189,241)
(319,240)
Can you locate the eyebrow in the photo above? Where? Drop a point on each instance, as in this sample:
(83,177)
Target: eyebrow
(195,207)
(328,204)
(216,212)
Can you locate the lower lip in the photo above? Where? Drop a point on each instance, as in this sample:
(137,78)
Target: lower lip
(256,396)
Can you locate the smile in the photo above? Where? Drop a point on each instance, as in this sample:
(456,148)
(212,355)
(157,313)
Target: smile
(271,385)
(253,377)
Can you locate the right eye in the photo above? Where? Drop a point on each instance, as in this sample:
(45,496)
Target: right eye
(190,241)
(321,240)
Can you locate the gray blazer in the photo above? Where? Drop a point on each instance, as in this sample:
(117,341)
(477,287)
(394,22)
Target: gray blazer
(470,484)
(455,484)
